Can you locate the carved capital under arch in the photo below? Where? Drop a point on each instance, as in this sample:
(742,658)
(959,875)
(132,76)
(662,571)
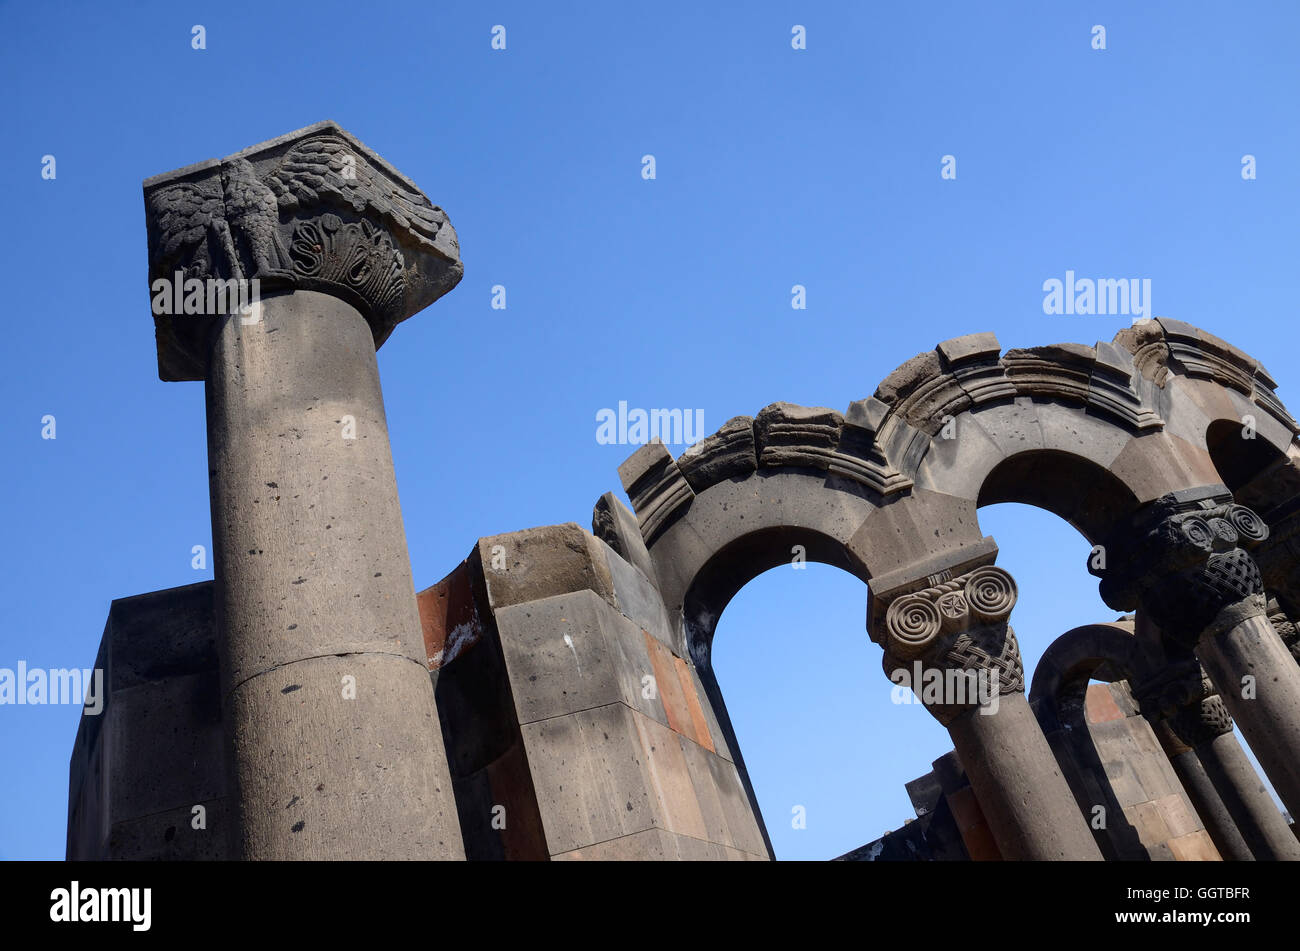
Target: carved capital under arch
(313,210)
(1279,558)
(1183,696)
(1186,565)
(1286,629)
(951,642)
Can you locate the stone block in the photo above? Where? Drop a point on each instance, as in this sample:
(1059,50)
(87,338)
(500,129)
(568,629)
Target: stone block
(566,653)
(649,845)
(974,828)
(676,807)
(1100,706)
(541,562)
(589,773)
(449,617)
(617,527)
(727,454)
(170,835)
(1178,814)
(638,598)
(1194,847)
(1149,822)
(168,750)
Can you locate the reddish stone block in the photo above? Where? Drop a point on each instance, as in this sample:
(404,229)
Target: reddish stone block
(449,617)
(1100,706)
(974,828)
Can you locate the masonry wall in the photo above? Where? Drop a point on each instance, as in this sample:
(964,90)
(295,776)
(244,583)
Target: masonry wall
(605,736)
(1111,758)
(157,750)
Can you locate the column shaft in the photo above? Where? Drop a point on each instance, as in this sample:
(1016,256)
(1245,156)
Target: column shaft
(1210,807)
(1252,808)
(1270,719)
(337,749)
(1028,804)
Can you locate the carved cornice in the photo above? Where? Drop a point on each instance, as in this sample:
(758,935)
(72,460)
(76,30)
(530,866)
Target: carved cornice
(782,436)
(1163,347)
(968,372)
(314,209)
(1185,563)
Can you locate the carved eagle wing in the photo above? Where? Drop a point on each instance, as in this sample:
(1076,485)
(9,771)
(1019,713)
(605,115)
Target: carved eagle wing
(184,213)
(328,167)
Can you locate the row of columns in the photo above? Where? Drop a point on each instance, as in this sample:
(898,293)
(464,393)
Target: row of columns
(1195,730)
(336,746)
(1184,565)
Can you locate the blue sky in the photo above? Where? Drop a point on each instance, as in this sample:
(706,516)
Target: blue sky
(774,167)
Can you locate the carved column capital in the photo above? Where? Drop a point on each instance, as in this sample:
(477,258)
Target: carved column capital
(1183,696)
(315,210)
(951,642)
(1279,557)
(1185,564)
(1285,628)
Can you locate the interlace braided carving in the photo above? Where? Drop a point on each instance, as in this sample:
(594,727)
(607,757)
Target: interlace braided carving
(955,631)
(1186,567)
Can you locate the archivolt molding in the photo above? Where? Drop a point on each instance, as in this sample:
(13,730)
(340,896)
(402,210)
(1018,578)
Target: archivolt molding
(1163,348)
(881,472)
(781,436)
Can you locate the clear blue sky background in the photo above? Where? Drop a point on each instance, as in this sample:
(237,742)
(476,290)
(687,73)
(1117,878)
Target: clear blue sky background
(775,167)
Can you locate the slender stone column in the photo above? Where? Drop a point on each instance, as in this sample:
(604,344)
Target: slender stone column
(946,635)
(1256,815)
(1195,729)
(1209,804)
(1278,557)
(1184,562)
(1260,684)
(337,750)
(1285,628)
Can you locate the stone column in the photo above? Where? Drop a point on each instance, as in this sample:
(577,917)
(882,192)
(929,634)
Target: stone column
(337,751)
(1205,797)
(1184,562)
(946,635)
(1278,557)
(1195,729)
(1285,628)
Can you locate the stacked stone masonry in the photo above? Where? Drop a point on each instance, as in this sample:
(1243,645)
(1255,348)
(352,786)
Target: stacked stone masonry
(553,697)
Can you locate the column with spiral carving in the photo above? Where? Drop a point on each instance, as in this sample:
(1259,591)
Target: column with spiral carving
(1185,562)
(946,635)
(336,746)
(1195,729)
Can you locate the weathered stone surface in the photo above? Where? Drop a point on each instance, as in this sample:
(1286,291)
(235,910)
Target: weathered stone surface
(637,597)
(790,435)
(728,453)
(541,562)
(567,653)
(449,617)
(170,836)
(311,210)
(591,784)
(656,488)
(979,346)
(868,414)
(156,748)
(295,797)
(613,524)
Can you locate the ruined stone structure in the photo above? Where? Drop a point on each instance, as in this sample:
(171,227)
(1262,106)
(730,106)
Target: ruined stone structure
(315,706)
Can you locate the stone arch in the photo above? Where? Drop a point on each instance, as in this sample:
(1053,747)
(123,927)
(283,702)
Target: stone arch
(1107,652)
(1108,437)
